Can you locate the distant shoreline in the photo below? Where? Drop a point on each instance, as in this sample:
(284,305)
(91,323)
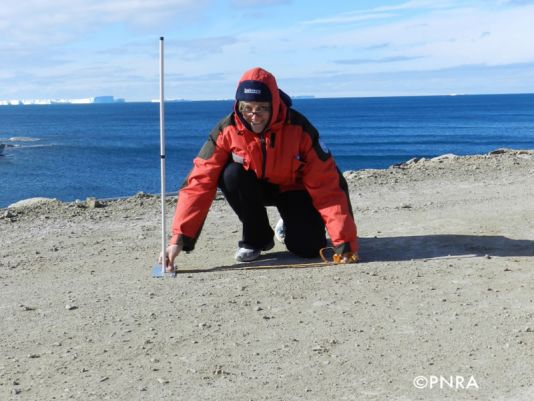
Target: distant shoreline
(408,164)
(84,102)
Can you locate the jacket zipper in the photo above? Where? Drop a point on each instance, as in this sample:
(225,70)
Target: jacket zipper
(264,153)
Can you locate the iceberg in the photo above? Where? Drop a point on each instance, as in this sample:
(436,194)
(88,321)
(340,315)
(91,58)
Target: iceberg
(88,100)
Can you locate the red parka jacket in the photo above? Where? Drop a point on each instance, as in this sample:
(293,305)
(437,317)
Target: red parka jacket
(288,153)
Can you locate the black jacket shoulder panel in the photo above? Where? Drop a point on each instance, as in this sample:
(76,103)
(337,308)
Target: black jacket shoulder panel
(209,146)
(296,118)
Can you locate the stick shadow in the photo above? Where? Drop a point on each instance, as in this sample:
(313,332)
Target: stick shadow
(441,246)
(269,261)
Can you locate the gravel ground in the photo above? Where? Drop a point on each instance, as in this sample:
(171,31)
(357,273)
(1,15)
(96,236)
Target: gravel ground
(443,298)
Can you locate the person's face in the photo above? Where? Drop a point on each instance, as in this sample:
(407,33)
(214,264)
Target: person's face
(257,114)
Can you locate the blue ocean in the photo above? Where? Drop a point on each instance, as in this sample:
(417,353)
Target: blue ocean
(112,150)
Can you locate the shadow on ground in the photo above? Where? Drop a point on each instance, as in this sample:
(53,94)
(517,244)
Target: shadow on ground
(395,249)
(441,246)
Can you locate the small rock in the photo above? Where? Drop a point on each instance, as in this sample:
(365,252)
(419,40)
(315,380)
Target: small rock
(412,160)
(319,349)
(529,330)
(32,202)
(444,157)
(218,371)
(70,307)
(8,214)
(162,380)
(142,195)
(34,356)
(500,151)
(79,203)
(92,203)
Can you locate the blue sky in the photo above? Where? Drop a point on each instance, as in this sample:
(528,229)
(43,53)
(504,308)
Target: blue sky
(82,48)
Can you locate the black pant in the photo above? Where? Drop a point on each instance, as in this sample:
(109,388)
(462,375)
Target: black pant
(248,196)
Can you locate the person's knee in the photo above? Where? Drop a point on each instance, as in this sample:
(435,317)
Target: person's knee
(233,177)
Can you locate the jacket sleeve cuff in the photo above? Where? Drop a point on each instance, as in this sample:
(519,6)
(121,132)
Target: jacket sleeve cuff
(187,243)
(346,247)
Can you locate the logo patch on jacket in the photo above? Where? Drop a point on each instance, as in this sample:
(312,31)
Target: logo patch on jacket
(236,158)
(250,90)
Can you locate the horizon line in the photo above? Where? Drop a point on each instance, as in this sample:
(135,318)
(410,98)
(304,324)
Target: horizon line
(65,101)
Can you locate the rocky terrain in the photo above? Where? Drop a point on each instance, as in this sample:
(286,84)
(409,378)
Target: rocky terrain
(441,306)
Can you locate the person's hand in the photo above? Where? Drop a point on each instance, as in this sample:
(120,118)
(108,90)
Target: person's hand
(172,252)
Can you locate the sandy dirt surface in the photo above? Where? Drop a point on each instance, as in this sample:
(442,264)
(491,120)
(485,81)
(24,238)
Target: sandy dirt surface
(443,298)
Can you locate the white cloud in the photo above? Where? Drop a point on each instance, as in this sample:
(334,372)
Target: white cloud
(258,3)
(58,21)
(439,39)
(196,48)
(392,59)
(61,48)
(517,2)
(348,18)
(381,12)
